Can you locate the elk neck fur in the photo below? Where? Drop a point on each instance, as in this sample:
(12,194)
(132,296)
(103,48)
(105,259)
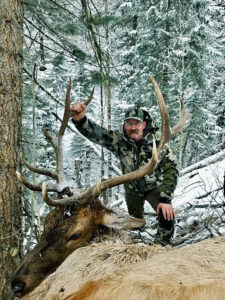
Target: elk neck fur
(114,270)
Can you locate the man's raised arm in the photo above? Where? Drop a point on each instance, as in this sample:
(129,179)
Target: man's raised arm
(95,133)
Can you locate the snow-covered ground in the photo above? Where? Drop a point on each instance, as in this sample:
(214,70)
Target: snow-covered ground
(201,182)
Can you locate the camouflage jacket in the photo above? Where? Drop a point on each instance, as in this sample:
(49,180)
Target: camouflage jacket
(132,156)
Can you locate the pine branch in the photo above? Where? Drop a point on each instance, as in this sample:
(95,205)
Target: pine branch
(93,38)
(67,10)
(42,88)
(46,47)
(78,59)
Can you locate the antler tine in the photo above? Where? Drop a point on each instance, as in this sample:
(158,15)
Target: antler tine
(35,187)
(66,115)
(38,170)
(183,118)
(165,126)
(71,113)
(168,133)
(90,97)
(50,139)
(58,147)
(30,186)
(57,202)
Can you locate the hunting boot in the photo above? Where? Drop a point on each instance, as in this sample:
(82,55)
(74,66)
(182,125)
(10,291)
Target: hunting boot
(165,230)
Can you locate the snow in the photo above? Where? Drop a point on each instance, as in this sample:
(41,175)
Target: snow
(126,4)
(200,181)
(152,10)
(180,53)
(205,162)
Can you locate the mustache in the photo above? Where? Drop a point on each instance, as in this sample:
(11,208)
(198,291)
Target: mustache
(133,131)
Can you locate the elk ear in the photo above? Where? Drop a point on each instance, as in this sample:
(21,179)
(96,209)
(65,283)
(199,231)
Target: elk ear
(121,221)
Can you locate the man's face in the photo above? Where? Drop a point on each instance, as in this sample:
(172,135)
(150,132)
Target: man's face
(134,129)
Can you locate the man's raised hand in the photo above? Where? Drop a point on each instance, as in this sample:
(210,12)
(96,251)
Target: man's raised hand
(78,111)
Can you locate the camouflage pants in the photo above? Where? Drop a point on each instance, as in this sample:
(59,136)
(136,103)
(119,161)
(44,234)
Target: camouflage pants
(135,205)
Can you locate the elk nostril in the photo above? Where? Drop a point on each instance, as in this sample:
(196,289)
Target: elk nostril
(17,287)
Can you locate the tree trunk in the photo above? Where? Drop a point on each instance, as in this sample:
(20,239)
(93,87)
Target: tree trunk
(11,66)
(108,95)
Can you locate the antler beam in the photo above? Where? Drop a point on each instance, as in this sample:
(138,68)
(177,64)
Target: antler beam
(95,190)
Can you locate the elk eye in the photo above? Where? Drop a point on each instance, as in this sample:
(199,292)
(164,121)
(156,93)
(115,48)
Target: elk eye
(75,236)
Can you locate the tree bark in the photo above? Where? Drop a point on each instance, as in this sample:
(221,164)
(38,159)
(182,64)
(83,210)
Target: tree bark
(11,66)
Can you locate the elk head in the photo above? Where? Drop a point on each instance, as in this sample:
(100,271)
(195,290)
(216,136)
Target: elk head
(78,218)
(66,229)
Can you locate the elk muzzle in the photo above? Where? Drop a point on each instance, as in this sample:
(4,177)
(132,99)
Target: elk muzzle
(18,282)
(17,287)
(29,275)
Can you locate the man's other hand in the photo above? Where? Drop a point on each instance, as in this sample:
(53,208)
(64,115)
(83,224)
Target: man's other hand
(78,111)
(167,211)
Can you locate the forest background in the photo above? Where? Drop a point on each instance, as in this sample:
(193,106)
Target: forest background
(113,46)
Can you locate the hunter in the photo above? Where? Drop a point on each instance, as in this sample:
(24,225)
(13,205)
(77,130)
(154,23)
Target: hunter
(133,147)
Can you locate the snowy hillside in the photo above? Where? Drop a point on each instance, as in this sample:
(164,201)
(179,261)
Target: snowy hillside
(201,182)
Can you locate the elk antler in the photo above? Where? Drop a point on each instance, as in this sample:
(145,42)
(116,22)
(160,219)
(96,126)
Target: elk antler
(157,155)
(38,170)
(56,142)
(166,132)
(72,113)
(95,190)
(183,118)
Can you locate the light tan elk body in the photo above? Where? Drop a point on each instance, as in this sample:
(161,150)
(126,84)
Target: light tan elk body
(110,270)
(79,218)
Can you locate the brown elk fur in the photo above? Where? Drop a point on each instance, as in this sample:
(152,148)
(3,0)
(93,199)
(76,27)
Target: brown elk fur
(66,229)
(110,270)
(108,290)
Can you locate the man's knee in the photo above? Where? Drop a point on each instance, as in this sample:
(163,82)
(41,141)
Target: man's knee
(135,205)
(153,197)
(137,213)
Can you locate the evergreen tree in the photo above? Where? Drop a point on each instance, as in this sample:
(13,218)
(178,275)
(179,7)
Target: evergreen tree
(169,41)
(11,65)
(215,44)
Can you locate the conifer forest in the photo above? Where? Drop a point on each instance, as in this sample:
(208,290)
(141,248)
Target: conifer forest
(112,46)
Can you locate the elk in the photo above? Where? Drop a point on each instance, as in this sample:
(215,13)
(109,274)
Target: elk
(79,217)
(109,271)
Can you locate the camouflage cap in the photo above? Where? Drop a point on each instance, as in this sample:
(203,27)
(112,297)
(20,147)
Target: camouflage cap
(135,113)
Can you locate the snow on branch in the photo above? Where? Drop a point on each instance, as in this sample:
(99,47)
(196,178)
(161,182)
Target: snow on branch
(203,163)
